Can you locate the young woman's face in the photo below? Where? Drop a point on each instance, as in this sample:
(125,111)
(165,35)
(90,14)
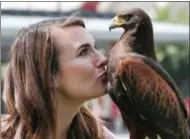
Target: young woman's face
(82,74)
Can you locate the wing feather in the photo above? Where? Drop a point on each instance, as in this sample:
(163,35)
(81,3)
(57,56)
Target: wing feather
(155,98)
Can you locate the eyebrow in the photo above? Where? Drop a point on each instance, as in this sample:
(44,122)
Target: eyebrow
(85,45)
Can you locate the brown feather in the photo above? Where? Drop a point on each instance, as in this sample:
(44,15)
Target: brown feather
(149,83)
(146,95)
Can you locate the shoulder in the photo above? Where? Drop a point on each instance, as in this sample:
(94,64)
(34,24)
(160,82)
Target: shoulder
(109,134)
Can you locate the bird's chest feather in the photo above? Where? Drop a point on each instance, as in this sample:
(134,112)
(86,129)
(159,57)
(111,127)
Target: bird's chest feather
(115,87)
(119,93)
(114,57)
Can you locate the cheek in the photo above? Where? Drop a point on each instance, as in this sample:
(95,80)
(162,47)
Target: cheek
(77,78)
(83,70)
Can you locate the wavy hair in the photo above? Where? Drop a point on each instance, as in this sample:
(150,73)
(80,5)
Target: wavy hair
(29,92)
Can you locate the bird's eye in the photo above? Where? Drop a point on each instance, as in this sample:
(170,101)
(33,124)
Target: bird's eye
(127,17)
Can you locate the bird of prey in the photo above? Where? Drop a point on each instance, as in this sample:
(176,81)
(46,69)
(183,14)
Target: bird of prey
(150,102)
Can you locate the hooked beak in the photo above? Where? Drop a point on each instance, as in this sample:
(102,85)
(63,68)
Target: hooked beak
(117,22)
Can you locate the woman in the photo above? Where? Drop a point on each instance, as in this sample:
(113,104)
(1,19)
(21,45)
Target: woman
(54,68)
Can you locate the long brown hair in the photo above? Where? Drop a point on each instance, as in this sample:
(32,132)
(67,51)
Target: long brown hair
(29,92)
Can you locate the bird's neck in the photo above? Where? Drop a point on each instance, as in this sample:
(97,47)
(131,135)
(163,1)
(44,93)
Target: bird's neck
(141,42)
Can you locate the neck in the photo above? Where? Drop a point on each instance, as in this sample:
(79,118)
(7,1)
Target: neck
(66,111)
(141,42)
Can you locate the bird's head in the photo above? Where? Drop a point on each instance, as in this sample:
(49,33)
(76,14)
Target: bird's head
(130,19)
(138,27)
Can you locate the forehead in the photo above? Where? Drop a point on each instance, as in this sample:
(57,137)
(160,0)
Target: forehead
(72,36)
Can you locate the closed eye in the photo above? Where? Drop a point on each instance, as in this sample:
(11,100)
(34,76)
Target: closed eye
(83,52)
(84,49)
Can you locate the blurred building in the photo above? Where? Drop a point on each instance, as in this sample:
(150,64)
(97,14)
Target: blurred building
(101,7)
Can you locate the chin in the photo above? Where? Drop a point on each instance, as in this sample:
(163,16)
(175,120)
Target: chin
(98,91)
(95,95)
(102,92)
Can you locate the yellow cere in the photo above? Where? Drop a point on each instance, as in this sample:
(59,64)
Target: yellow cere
(118,21)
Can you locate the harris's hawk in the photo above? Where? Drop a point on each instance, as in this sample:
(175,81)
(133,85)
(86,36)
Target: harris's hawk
(149,100)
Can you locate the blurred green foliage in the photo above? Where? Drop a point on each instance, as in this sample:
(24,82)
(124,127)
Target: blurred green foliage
(163,14)
(174,57)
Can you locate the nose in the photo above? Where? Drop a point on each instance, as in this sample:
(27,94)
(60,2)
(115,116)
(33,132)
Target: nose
(102,61)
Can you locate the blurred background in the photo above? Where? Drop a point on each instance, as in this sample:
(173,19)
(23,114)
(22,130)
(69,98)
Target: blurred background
(171,31)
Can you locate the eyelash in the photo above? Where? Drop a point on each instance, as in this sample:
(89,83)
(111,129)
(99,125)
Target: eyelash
(85,51)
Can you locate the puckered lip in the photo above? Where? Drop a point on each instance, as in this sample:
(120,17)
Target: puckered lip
(102,74)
